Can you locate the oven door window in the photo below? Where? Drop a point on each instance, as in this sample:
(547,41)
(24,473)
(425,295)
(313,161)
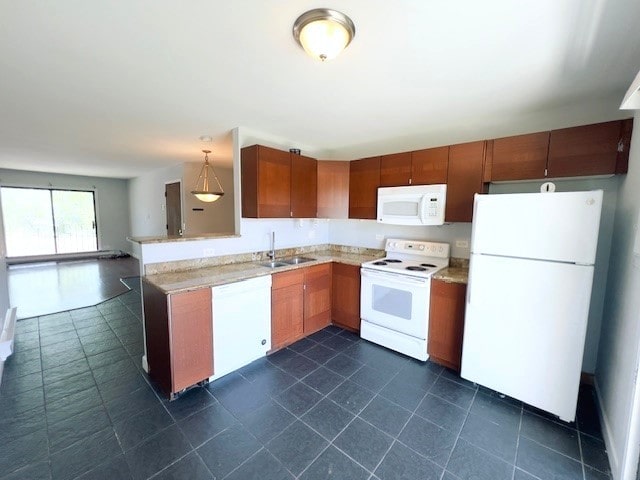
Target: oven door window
(392,301)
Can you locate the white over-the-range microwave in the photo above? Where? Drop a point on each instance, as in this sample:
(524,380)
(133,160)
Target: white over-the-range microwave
(412,205)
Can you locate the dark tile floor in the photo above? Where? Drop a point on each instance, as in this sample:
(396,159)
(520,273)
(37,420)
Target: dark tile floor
(75,404)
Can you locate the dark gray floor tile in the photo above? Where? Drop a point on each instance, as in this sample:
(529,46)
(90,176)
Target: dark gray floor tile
(226,451)
(453,392)
(15,385)
(63,388)
(320,353)
(34,471)
(302,345)
(419,375)
(268,421)
(22,451)
(353,336)
(328,418)
(65,371)
(124,385)
(522,475)
(25,423)
(398,391)
(137,428)
(499,440)
(550,434)
(205,424)
(67,432)
(299,366)
(402,463)
(298,398)
(351,396)
(256,369)
(496,410)
(101,346)
(73,405)
(51,349)
(337,342)
(84,455)
(387,416)
(57,359)
(593,474)
(190,467)
(114,370)
(190,402)
(428,439)
(470,463)
(281,356)
(21,402)
(112,469)
(323,380)
(237,394)
(32,364)
(127,405)
(344,365)
(594,453)
(364,443)
(262,466)
(296,447)
(545,463)
(273,381)
(49,337)
(157,452)
(320,336)
(442,413)
(372,378)
(335,465)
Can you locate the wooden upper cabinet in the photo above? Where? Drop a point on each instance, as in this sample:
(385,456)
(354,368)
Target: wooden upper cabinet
(429,166)
(333,189)
(266,182)
(364,180)
(304,184)
(465,178)
(522,157)
(395,169)
(585,150)
(622,162)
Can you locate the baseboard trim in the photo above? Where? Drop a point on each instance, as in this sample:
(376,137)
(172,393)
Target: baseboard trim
(607,435)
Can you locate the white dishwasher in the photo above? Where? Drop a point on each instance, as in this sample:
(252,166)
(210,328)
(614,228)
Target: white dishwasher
(241,323)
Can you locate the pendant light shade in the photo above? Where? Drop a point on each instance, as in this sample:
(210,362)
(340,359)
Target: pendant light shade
(323,33)
(207,188)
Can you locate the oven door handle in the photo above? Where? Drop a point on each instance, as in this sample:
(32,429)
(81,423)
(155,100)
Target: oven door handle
(400,279)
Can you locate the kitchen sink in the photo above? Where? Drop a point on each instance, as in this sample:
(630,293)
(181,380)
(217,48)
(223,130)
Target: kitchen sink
(297,260)
(275,264)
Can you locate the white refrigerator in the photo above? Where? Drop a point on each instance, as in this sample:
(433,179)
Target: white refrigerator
(530,278)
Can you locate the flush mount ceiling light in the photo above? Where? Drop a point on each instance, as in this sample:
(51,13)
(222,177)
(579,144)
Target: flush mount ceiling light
(204,189)
(323,33)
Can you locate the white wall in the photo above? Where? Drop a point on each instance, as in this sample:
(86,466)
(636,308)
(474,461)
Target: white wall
(111,195)
(216,217)
(146,201)
(610,187)
(617,366)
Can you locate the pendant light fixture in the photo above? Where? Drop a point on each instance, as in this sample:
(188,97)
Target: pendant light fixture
(205,189)
(323,33)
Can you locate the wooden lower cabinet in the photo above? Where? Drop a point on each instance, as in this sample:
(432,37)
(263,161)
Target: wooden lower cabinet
(345,305)
(300,304)
(446,323)
(179,337)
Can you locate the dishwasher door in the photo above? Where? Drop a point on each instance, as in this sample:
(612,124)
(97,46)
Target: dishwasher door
(241,324)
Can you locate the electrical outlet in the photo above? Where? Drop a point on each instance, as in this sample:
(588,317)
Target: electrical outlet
(208,252)
(462,243)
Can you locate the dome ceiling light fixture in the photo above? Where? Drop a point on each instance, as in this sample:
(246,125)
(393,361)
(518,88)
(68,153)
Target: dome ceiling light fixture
(204,189)
(323,33)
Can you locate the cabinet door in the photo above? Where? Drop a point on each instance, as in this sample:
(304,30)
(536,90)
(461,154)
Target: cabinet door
(287,308)
(266,182)
(333,189)
(429,166)
(446,323)
(364,180)
(522,157)
(464,180)
(156,328)
(317,298)
(345,298)
(395,169)
(191,333)
(585,150)
(304,184)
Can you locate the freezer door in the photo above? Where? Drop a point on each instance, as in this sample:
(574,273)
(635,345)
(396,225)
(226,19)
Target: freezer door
(550,226)
(525,328)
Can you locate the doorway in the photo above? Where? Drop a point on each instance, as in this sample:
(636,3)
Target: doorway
(40,221)
(173,208)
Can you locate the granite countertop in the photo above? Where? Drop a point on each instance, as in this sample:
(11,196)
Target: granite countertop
(210,276)
(453,275)
(180,238)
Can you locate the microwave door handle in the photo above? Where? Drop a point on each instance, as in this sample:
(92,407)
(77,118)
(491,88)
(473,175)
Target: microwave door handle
(423,208)
(400,279)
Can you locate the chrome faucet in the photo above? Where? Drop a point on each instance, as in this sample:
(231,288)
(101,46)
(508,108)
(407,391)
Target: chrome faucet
(272,252)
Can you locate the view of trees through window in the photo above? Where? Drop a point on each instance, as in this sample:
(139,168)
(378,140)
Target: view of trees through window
(47,221)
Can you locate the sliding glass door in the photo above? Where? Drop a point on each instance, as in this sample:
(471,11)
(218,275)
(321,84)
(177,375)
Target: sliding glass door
(46,221)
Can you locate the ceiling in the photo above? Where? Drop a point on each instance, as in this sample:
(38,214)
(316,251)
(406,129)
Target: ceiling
(118,88)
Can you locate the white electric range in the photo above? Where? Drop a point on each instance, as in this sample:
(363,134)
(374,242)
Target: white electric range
(395,294)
